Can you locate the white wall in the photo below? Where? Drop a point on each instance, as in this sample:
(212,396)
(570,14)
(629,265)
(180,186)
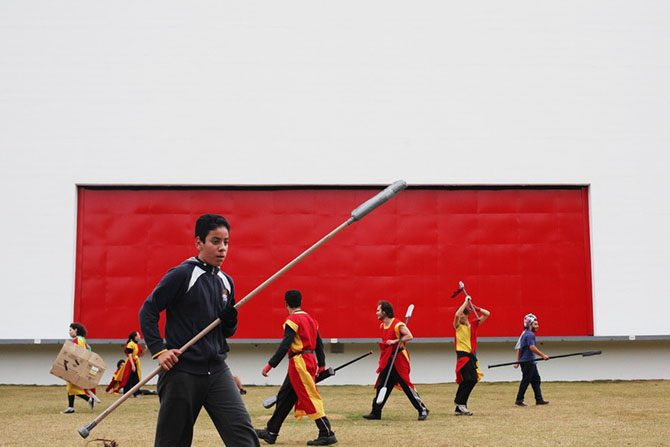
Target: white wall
(431,363)
(351,92)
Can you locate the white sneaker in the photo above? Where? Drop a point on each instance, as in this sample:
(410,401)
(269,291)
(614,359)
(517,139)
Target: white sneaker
(68,410)
(91,403)
(462,410)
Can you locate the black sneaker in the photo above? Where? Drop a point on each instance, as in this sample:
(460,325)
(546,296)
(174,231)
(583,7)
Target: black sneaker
(424,415)
(520,403)
(372,416)
(266,436)
(148,392)
(323,440)
(541,402)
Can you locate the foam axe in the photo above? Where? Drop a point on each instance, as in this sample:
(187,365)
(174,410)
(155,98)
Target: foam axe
(461,288)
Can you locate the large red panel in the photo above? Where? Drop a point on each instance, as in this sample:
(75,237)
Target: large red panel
(518,250)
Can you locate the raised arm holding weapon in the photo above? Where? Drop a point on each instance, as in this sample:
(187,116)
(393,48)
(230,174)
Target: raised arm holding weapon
(467,365)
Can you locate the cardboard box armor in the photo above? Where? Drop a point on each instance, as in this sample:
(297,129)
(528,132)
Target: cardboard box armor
(78,366)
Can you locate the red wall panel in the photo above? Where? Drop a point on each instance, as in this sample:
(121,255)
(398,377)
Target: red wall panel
(518,250)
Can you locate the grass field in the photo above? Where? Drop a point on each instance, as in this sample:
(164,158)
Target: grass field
(580,414)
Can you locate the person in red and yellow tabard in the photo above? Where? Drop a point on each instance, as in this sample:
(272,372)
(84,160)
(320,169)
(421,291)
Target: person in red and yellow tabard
(133,369)
(77,332)
(115,385)
(129,370)
(467,366)
(303,344)
(394,331)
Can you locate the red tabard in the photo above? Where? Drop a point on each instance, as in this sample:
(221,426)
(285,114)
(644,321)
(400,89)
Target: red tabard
(302,367)
(401,364)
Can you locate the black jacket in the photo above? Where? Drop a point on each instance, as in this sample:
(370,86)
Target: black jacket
(193,294)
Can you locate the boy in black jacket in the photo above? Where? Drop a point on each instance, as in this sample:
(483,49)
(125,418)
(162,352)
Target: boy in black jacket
(193,294)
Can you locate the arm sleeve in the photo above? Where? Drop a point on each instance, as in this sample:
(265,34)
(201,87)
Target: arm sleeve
(229,315)
(289,335)
(320,354)
(167,290)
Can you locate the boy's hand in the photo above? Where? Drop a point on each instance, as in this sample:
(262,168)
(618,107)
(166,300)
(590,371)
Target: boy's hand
(229,316)
(168,359)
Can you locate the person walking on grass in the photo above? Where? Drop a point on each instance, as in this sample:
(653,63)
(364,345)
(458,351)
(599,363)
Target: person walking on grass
(133,351)
(526,350)
(193,294)
(394,331)
(303,344)
(468,373)
(129,370)
(77,333)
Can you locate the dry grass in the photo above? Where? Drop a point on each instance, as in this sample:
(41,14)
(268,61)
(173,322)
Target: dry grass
(580,414)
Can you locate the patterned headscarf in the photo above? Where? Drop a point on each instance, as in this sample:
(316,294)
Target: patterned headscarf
(528,320)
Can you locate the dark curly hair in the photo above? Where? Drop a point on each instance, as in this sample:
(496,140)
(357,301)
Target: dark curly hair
(79,329)
(387,308)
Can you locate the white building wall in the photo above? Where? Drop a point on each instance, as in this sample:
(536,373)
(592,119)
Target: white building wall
(304,92)
(431,362)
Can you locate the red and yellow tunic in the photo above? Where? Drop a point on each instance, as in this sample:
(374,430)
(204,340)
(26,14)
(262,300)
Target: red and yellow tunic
(74,390)
(122,374)
(134,351)
(302,365)
(401,364)
(117,378)
(465,341)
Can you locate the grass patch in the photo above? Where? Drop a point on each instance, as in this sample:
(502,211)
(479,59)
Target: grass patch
(601,413)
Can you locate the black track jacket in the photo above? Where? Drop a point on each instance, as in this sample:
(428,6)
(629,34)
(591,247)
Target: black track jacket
(193,294)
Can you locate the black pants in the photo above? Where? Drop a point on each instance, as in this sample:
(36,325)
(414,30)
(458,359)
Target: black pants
(286,400)
(469,376)
(529,376)
(394,379)
(133,380)
(182,396)
(70,399)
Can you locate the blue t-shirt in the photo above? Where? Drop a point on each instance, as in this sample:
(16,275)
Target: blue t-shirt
(527,340)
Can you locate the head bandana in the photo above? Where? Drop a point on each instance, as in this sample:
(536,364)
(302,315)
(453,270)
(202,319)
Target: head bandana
(528,320)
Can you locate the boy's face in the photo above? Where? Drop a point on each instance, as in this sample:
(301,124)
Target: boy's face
(535,325)
(215,247)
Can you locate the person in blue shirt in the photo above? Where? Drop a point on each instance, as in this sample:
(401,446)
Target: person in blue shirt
(526,349)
